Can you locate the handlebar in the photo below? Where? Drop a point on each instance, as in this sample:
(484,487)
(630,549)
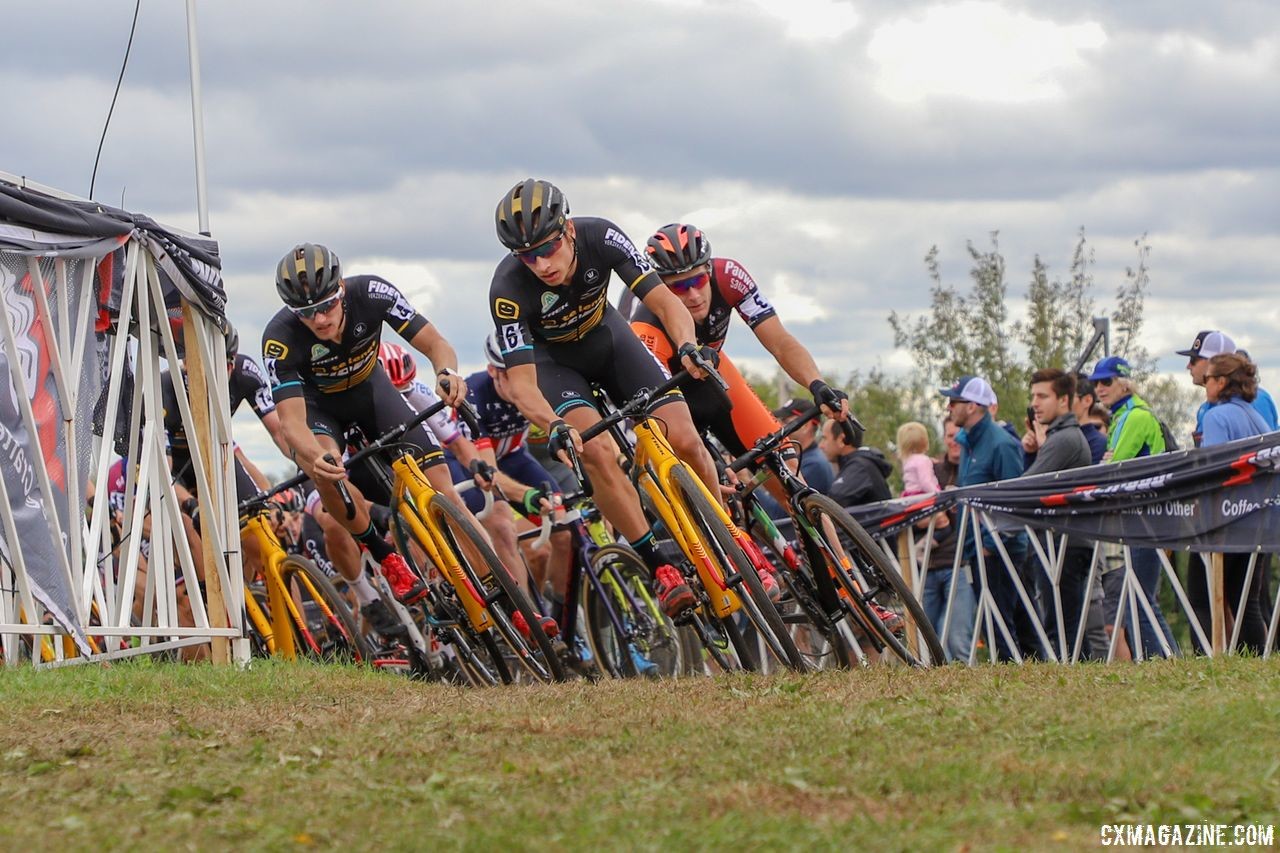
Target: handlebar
(467,485)
(465,411)
(773,441)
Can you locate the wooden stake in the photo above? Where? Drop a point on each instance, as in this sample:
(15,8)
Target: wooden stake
(198,391)
(1217,605)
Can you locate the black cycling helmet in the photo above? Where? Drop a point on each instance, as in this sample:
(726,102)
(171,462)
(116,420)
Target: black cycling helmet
(310,273)
(677,248)
(493,352)
(233,341)
(529,213)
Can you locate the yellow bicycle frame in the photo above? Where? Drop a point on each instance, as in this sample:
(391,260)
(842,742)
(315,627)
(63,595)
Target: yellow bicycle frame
(653,451)
(276,630)
(412,485)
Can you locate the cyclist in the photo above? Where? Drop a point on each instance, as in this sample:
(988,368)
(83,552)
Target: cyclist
(321,354)
(558,334)
(712,289)
(461,453)
(504,431)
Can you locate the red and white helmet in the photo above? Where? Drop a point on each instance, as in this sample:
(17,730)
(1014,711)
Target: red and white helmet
(399,364)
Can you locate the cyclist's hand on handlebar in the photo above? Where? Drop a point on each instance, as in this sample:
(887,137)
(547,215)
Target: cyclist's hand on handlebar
(451,387)
(537,501)
(561,436)
(834,402)
(690,355)
(483,473)
(324,470)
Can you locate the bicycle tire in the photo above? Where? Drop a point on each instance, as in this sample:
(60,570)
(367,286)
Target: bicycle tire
(760,610)
(450,520)
(333,635)
(480,668)
(875,567)
(804,598)
(654,635)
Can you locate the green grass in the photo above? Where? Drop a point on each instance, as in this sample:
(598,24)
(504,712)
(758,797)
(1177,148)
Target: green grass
(281,757)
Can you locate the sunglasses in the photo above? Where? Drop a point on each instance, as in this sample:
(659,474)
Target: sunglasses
(1106,383)
(531,256)
(322,307)
(685,285)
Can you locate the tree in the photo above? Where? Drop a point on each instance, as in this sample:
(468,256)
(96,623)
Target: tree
(1059,313)
(967,334)
(1171,402)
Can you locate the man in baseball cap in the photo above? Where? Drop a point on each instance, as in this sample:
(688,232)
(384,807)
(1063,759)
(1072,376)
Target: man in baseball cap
(987,454)
(971,389)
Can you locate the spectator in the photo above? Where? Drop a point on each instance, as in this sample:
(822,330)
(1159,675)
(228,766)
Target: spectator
(860,471)
(988,453)
(1206,345)
(917,469)
(1056,443)
(1089,414)
(941,577)
(814,467)
(1230,386)
(1134,432)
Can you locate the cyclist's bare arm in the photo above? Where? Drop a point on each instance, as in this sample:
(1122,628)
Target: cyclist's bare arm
(677,320)
(522,382)
(792,356)
(304,448)
(254,472)
(433,345)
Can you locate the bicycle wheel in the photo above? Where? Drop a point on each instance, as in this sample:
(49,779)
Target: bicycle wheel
(537,656)
(464,655)
(821,642)
(760,610)
(643,640)
(327,631)
(870,578)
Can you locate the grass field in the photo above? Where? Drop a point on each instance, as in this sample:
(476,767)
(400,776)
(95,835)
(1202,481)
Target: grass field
(283,757)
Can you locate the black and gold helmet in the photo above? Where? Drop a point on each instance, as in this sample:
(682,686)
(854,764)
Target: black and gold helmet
(310,273)
(677,248)
(529,213)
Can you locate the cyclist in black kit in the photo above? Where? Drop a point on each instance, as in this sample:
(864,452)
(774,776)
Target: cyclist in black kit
(321,354)
(559,334)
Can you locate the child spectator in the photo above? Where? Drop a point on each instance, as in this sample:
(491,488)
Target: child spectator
(918,477)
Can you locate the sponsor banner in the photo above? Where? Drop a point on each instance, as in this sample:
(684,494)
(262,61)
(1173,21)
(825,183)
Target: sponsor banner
(29,506)
(1222,498)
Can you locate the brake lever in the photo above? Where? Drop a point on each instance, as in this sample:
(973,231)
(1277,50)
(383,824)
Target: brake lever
(343,492)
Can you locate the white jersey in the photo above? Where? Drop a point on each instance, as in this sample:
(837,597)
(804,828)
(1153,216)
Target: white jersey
(421,396)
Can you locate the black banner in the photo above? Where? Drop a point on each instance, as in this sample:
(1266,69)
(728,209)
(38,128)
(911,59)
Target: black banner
(34,223)
(1222,498)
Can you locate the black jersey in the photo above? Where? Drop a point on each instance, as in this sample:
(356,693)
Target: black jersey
(244,382)
(525,309)
(293,355)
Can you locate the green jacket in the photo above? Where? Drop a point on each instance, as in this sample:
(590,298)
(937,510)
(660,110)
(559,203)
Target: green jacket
(1135,431)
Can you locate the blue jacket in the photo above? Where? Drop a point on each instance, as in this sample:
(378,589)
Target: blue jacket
(1230,420)
(1262,404)
(1097,441)
(989,453)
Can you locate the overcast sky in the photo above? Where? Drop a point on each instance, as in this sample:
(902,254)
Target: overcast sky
(826,145)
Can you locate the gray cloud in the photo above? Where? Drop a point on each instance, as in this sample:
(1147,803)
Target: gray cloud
(389,130)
